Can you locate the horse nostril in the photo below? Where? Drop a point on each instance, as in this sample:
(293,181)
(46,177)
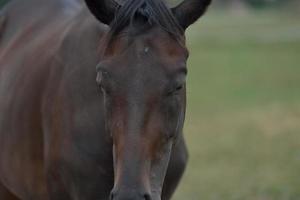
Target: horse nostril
(126,195)
(147,197)
(111,196)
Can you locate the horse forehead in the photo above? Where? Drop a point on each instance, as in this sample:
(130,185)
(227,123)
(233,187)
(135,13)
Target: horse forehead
(162,42)
(153,40)
(154,53)
(159,50)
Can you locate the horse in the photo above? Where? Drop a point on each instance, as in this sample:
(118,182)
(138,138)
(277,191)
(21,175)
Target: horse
(93,98)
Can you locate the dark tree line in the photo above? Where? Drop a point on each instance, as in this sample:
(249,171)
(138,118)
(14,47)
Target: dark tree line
(256,3)
(248,3)
(2,2)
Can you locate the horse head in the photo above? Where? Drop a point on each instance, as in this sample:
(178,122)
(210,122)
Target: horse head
(142,74)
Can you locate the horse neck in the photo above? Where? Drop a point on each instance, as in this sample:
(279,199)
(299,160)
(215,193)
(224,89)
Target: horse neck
(81,42)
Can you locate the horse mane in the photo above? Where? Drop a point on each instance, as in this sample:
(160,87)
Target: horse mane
(151,12)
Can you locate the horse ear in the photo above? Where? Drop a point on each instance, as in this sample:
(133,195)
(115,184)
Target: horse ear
(189,11)
(103,10)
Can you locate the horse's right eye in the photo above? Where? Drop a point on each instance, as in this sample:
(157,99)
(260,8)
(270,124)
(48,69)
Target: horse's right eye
(99,78)
(104,82)
(101,73)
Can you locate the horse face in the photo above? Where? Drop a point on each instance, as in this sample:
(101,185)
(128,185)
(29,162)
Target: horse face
(142,78)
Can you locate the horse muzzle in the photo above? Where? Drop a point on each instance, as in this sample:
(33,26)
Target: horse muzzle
(130,194)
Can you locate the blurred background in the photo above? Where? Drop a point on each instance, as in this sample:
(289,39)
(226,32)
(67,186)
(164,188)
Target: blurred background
(243,119)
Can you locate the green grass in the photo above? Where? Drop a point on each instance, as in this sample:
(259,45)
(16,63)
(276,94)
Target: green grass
(243,120)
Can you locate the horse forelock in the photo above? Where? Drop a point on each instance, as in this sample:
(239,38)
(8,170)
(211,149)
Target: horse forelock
(152,12)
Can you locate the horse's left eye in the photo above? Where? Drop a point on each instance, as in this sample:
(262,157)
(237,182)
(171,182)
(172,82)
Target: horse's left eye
(176,90)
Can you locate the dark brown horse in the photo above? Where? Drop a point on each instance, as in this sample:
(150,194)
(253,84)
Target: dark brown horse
(65,137)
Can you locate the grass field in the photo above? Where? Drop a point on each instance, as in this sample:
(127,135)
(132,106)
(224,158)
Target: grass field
(243,120)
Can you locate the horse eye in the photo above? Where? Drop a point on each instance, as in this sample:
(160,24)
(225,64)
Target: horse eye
(101,75)
(103,82)
(171,136)
(99,78)
(179,87)
(176,90)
